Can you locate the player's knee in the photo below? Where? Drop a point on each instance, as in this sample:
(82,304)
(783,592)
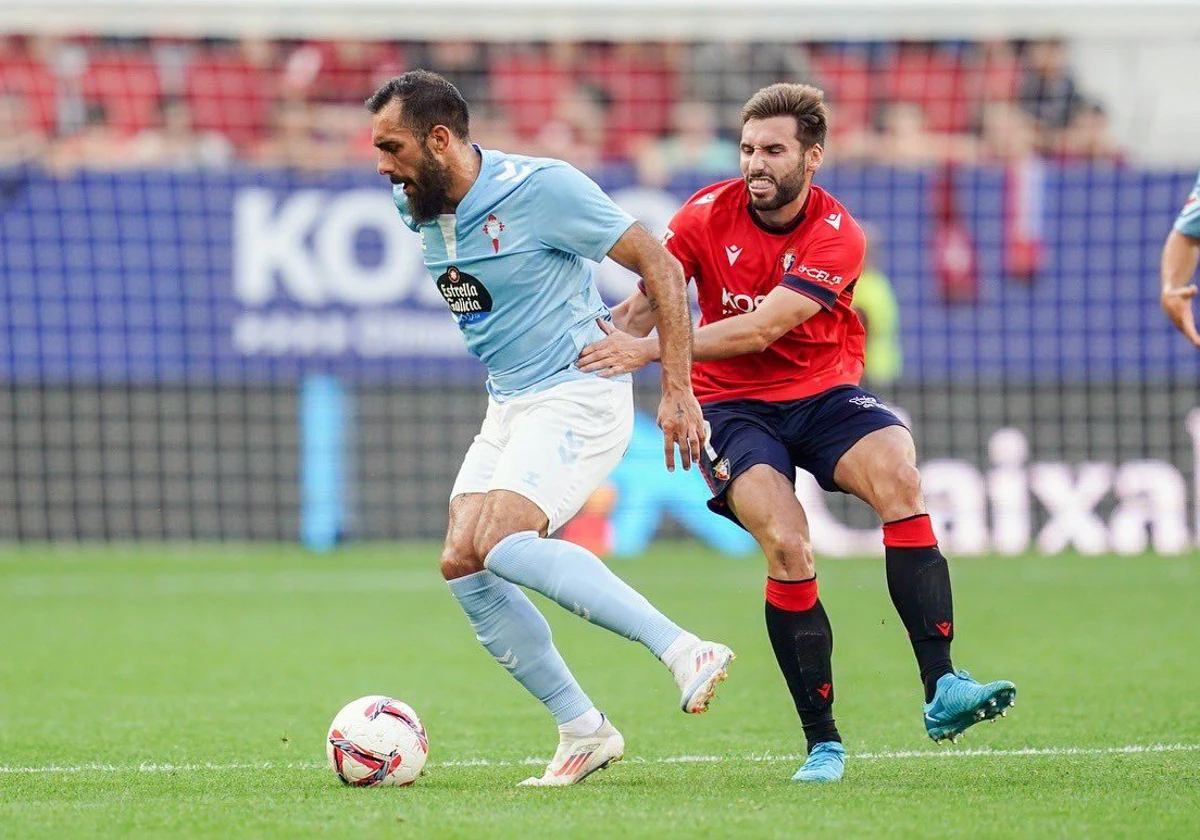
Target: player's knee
(897,492)
(789,555)
(489,536)
(459,561)
(906,491)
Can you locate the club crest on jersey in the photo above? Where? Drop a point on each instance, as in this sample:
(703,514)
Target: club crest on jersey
(492,227)
(788,260)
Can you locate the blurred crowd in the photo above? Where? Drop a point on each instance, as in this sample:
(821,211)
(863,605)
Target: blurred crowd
(661,108)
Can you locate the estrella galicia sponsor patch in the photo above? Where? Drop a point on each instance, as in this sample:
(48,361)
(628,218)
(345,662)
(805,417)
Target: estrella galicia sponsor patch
(469,300)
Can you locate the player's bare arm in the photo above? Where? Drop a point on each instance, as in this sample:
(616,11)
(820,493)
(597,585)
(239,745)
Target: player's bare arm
(1180,256)
(781,311)
(679,414)
(752,332)
(637,315)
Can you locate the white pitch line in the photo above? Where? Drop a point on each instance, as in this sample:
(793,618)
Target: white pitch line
(158,767)
(949,752)
(763,758)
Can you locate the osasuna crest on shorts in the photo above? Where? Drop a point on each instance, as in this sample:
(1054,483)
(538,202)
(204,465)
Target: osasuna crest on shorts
(512,264)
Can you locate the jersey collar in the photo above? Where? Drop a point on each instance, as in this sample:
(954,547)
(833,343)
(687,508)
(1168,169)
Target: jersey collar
(790,227)
(486,161)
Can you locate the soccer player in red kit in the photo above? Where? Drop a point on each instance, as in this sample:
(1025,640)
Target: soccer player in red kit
(778,358)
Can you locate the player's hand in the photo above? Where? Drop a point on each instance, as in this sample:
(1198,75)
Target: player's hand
(616,353)
(682,425)
(1177,303)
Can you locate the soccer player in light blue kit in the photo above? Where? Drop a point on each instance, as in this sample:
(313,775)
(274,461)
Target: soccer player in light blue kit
(507,239)
(1180,256)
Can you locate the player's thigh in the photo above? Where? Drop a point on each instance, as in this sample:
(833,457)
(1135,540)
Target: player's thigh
(742,436)
(881,470)
(564,445)
(824,429)
(458,553)
(479,464)
(765,503)
(468,495)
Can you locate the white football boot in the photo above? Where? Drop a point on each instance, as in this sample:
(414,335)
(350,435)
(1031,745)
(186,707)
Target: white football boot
(577,758)
(698,671)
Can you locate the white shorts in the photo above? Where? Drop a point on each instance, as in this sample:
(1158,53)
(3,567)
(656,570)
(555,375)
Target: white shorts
(554,447)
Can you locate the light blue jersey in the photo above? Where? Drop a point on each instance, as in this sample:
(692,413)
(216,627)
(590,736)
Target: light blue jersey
(512,264)
(1188,222)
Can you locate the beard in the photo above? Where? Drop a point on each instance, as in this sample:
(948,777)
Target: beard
(786,190)
(429,191)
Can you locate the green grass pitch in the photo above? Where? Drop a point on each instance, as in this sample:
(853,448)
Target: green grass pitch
(177,692)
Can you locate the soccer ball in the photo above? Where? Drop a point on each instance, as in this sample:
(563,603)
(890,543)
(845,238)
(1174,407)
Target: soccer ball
(376,740)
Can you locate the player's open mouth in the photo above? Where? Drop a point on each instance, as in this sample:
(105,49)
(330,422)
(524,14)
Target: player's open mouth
(760,186)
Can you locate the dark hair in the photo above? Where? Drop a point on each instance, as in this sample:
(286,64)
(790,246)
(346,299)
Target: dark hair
(803,102)
(426,100)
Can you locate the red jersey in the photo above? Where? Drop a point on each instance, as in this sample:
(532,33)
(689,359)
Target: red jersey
(736,260)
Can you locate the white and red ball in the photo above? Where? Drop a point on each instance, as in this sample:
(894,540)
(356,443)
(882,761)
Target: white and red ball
(377,740)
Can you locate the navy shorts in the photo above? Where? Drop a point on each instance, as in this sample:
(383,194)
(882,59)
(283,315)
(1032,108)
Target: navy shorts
(812,433)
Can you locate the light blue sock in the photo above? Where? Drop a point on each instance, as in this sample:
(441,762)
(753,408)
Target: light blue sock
(580,582)
(508,624)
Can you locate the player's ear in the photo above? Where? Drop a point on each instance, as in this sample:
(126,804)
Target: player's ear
(813,157)
(438,140)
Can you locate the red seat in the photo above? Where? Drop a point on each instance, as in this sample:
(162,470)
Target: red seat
(30,80)
(231,95)
(929,76)
(528,87)
(845,76)
(642,91)
(126,83)
(343,72)
(997,73)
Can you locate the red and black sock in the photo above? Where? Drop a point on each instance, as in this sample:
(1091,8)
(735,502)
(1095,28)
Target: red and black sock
(919,582)
(803,641)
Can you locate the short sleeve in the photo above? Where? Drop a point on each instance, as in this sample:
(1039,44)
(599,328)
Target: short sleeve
(1188,222)
(828,267)
(574,215)
(677,239)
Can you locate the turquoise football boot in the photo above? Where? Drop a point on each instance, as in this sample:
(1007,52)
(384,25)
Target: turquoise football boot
(826,763)
(961,702)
